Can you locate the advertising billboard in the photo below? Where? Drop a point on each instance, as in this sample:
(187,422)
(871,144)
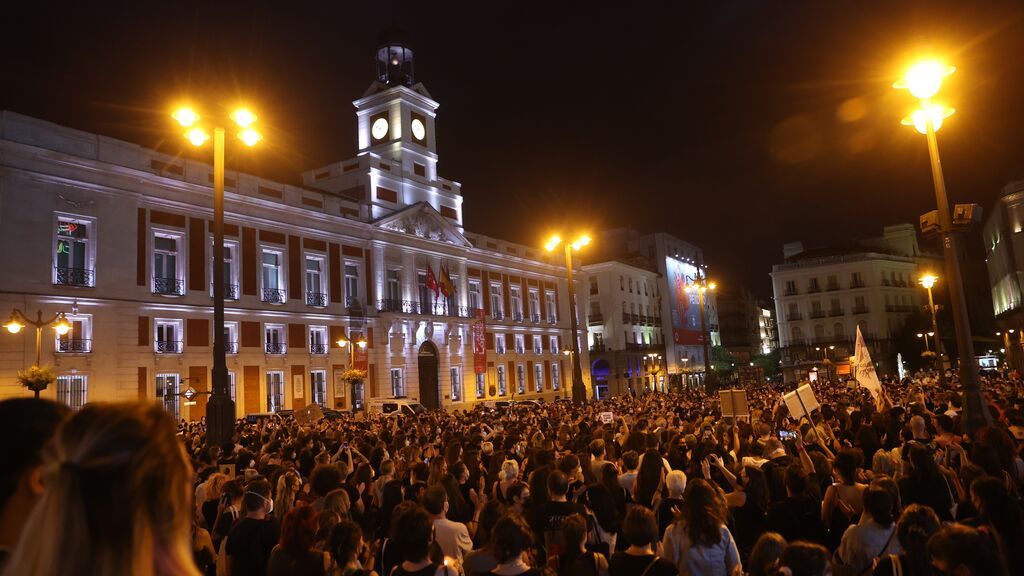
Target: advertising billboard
(684,307)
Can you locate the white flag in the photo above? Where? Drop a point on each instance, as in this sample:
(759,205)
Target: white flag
(864,369)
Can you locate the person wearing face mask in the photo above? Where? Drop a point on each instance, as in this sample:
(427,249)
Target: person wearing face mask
(250,542)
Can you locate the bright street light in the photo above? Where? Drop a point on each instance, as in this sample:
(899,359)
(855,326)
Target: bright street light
(13,325)
(924,78)
(579,393)
(934,113)
(185,116)
(197,136)
(928,280)
(243,117)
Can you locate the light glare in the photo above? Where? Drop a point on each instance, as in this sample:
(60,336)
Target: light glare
(197,136)
(553,243)
(924,79)
(928,280)
(250,137)
(185,116)
(243,117)
(930,113)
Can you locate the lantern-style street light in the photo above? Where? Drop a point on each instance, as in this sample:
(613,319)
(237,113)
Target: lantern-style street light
(579,393)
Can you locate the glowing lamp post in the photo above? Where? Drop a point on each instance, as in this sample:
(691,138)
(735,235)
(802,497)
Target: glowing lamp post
(579,393)
(361,344)
(700,285)
(928,280)
(220,410)
(18,320)
(923,80)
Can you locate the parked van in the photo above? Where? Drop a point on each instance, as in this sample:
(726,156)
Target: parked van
(388,406)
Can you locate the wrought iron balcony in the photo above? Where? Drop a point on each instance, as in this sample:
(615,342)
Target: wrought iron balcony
(856,284)
(274,295)
(169,286)
(231,347)
(792,291)
(595,319)
(817,314)
(318,348)
(168,346)
(230,291)
(813,289)
(517,316)
(860,309)
(626,318)
(535,318)
(74,345)
(497,315)
(424,308)
(74,277)
(794,316)
(598,348)
(354,304)
(552,319)
(836,312)
(832,286)
(317,299)
(276,348)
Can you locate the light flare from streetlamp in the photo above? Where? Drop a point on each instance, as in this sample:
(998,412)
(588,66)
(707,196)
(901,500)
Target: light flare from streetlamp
(929,113)
(13,325)
(62,325)
(185,116)
(553,243)
(928,280)
(197,136)
(243,117)
(250,137)
(581,242)
(924,78)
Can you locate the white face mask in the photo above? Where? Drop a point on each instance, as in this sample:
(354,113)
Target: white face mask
(265,499)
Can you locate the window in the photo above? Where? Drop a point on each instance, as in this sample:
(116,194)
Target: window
(351,285)
(593,285)
(425,293)
(555,383)
(273,279)
(167,265)
(167,386)
(502,382)
(790,287)
(549,302)
(481,384)
(855,280)
(275,391)
(394,286)
(79,338)
(273,337)
(645,287)
(833,283)
(812,285)
(554,344)
(622,284)
(397,383)
(497,304)
(168,336)
(630,285)
(318,339)
(534,306)
(73,252)
(318,387)
(499,343)
(474,295)
(231,337)
(538,347)
(516,297)
(72,389)
(230,270)
(316,294)
(231,384)
(858,304)
(538,377)
(520,343)
(456,384)
(521,378)
(419,169)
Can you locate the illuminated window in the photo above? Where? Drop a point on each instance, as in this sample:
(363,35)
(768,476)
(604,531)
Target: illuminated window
(318,339)
(397,383)
(502,383)
(72,389)
(555,383)
(538,377)
(78,340)
(167,338)
(318,387)
(351,284)
(275,391)
(316,292)
(168,269)
(230,270)
(499,343)
(456,375)
(554,344)
(273,277)
(273,339)
(475,301)
(521,378)
(520,343)
(74,252)
(481,384)
(167,388)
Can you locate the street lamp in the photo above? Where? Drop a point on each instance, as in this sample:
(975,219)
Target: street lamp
(361,343)
(220,410)
(700,285)
(568,352)
(923,80)
(928,280)
(825,359)
(579,393)
(18,320)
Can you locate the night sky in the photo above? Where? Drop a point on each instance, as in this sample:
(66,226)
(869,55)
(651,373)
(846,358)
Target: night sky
(735,125)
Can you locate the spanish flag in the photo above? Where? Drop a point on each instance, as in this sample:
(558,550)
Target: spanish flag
(447,287)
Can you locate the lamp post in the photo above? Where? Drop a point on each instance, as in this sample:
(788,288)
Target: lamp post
(361,343)
(825,360)
(568,352)
(923,80)
(929,280)
(220,410)
(700,285)
(19,320)
(579,393)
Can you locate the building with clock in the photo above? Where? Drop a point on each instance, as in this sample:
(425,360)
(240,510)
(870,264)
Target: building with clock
(118,238)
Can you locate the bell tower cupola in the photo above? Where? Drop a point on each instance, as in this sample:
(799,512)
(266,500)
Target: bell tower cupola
(394,59)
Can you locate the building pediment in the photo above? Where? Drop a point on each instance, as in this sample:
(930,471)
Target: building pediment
(423,221)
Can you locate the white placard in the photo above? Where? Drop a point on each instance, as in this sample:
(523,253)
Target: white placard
(606,417)
(801,402)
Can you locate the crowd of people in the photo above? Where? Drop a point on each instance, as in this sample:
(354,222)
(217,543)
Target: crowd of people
(655,485)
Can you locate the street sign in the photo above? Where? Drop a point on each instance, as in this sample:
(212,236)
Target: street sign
(190,394)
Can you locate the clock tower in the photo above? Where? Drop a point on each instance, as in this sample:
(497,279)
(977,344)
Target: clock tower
(396,143)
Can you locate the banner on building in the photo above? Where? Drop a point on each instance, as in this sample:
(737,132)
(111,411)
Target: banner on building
(479,342)
(362,357)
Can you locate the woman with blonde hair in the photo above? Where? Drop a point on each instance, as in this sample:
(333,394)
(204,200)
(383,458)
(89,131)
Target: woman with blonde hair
(117,501)
(507,476)
(288,486)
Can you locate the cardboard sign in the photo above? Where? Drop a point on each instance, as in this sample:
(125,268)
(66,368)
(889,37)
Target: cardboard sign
(606,417)
(801,402)
(734,403)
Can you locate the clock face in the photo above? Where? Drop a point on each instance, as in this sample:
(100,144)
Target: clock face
(418,131)
(379,129)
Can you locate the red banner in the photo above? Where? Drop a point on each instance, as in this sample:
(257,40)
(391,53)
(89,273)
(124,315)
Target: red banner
(479,342)
(362,358)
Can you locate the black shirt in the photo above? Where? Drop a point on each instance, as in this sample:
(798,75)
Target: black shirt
(249,545)
(797,518)
(622,564)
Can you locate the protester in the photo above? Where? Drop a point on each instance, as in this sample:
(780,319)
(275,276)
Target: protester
(641,533)
(294,554)
(250,542)
(764,557)
(916,525)
(699,543)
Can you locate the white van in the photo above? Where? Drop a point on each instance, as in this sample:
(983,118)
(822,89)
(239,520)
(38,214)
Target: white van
(389,406)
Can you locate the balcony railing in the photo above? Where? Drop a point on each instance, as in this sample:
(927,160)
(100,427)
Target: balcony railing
(231,347)
(317,299)
(832,286)
(230,291)
(552,319)
(74,345)
(517,316)
(792,291)
(791,316)
(318,348)
(168,346)
(817,314)
(535,318)
(635,318)
(856,284)
(274,295)
(860,309)
(424,308)
(626,317)
(353,304)
(168,286)
(74,277)
(595,319)
(598,348)
(276,348)
(497,315)
(836,312)
(813,289)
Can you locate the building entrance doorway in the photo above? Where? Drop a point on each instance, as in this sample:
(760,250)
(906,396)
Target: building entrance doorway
(429,388)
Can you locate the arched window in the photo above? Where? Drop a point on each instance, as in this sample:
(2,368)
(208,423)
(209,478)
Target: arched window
(839,331)
(798,334)
(819,332)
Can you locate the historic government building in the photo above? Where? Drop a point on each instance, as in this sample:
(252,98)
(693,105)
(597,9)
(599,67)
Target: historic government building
(119,238)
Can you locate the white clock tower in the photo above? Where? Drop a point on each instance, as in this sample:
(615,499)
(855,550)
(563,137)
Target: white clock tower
(397,160)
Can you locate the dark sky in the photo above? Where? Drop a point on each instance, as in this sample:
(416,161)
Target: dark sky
(737,125)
